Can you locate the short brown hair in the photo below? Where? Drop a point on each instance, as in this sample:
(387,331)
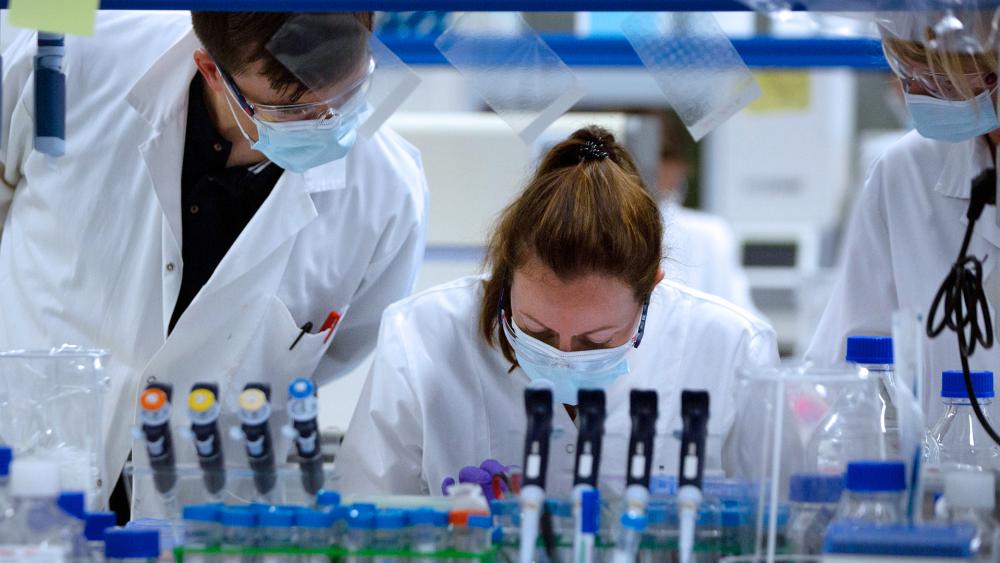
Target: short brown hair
(578,215)
(236,40)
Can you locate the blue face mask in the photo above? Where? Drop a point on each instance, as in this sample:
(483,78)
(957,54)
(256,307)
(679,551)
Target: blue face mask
(300,145)
(952,120)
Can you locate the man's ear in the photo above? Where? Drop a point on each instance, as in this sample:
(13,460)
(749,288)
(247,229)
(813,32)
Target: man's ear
(209,70)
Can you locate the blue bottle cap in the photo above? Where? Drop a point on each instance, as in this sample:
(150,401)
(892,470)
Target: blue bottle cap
(122,543)
(390,519)
(276,517)
(735,516)
(815,488)
(314,519)
(636,523)
(657,512)
(96,524)
(480,521)
(363,507)
(361,519)
(327,498)
(869,349)
(238,516)
(301,388)
(953,385)
(559,508)
(428,517)
(72,503)
(201,512)
(590,512)
(875,476)
(6,456)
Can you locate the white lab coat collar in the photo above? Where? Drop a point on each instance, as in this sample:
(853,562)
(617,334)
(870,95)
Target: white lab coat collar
(962,163)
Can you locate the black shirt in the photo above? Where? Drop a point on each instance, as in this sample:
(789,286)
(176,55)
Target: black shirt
(217,202)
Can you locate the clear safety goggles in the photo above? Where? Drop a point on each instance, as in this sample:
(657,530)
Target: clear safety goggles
(589,360)
(326,114)
(941,85)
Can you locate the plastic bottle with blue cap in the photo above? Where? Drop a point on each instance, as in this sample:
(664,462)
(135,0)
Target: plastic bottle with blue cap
(360,532)
(391,534)
(276,527)
(201,525)
(314,529)
(873,492)
(36,522)
(125,545)
(95,526)
(238,523)
(957,440)
(428,531)
(814,501)
(852,428)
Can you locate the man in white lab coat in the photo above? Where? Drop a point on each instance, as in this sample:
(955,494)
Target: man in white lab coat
(213,208)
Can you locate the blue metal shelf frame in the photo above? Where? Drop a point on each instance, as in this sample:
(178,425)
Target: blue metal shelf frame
(862,54)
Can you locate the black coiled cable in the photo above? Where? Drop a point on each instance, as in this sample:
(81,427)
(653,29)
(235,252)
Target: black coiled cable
(962,299)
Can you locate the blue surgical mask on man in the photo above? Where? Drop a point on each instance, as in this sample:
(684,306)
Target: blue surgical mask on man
(567,371)
(300,145)
(952,120)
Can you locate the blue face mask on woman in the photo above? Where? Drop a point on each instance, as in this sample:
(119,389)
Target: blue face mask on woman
(953,121)
(571,371)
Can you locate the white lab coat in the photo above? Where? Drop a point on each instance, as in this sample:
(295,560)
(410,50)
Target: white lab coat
(902,239)
(439,398)
(90,252)
(702,253)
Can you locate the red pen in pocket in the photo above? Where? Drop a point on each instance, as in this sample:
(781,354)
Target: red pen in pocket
(330,325)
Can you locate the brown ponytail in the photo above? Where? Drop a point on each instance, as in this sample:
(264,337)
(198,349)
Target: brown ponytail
(585,211)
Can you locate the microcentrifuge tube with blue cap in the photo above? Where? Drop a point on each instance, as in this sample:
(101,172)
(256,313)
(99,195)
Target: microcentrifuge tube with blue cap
(303,412)
(204,409)
(131,546)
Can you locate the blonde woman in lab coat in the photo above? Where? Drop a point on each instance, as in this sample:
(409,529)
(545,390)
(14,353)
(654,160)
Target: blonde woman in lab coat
(574,278)
(909,224)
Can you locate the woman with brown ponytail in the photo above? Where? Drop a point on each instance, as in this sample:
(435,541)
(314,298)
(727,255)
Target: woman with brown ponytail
(574,295)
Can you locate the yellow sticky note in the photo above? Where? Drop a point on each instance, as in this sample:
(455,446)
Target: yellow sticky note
(781,90)
(57,16)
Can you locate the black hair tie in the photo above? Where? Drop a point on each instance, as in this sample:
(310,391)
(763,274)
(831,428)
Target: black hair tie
(593,150)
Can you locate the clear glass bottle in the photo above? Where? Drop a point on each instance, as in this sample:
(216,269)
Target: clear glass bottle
(874,354)
(852,428)
(125,545)
(957,440)
(969,497)
(36,522)
(814,501)
(873,492)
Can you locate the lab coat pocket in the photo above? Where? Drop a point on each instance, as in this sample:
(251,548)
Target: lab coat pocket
(291,353)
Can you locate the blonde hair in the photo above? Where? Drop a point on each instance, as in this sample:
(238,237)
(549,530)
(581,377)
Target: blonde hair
(955,66)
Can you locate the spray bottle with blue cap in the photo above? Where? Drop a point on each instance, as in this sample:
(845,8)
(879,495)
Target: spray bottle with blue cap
(203,411)
(644,410)
(303,412)
(538,407)
(591,412)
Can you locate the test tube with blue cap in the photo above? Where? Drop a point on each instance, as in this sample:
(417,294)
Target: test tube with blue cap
(202,528)
(204,409)
(315,528)
(390,534)
(50,95)
(303,412)
(154,414)
(255,414)
(277,527)
(428,531)
(238,523)
(360,532)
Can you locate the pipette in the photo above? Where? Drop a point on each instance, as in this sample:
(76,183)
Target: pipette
(694,417)
(591,412)
(203,411)
(50,95)
(302,410)
(538,408)
(644,411)
(154,413)
(255,411)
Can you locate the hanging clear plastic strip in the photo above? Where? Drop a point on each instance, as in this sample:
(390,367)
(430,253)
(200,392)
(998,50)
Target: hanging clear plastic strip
(695,65)
(516,73)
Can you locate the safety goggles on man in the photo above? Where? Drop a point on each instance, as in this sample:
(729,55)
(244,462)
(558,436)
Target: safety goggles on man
(327,113)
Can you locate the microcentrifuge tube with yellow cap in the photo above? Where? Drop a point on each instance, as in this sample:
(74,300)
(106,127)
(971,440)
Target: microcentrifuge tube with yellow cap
(203,411)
